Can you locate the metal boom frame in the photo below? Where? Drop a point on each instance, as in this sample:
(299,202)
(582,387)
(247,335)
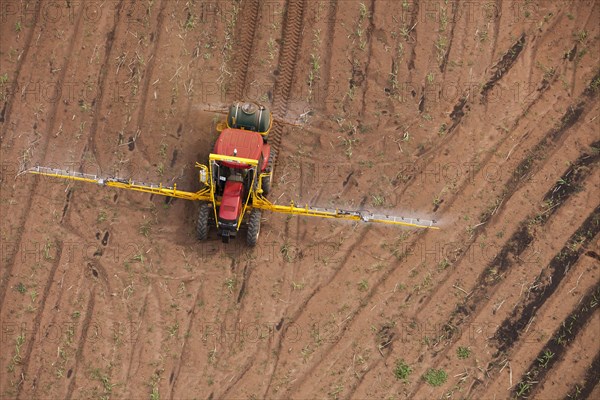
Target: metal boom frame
(255,198)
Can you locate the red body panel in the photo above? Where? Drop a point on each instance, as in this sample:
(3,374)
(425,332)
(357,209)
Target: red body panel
(266,153)
(239,143)
(231,203)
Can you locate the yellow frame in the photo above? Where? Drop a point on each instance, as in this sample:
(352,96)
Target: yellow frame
(258,200)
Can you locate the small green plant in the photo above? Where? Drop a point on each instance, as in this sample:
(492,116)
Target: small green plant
(581,35)
(102,216)
(3,79)
(463,352)
(364,11)
(443,264)
(18,26)
(363,285)
(173,329)
(430,77)
(145,228)
(230,284)
(402,370)
(378,200)
(190,22)
(286,252)
(155,395)
(435,377)
(21,288)
(33,294)
(523,388)
(163,150)
(76,314)
(272,45)
(545,358)
(442,130)
(84,107)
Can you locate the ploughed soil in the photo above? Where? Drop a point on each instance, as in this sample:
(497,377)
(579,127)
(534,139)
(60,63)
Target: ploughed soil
(483,116)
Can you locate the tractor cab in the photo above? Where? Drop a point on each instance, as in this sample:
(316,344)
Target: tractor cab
(239,170)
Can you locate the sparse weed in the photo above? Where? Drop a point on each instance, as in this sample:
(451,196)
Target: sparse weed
(230,284)
(377,200)
(102,216)
(435,377)
(463,352)
(145,228)
(402,370)
(21,288)
(173,329)
(363,285)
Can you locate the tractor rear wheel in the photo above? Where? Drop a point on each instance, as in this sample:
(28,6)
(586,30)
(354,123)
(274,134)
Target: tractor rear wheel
(266,185)
(266,182)
(253,227)
(202,223)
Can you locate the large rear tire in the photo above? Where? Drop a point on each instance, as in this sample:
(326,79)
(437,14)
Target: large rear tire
(266,185)
(253,228)
(202,223)
(266,182)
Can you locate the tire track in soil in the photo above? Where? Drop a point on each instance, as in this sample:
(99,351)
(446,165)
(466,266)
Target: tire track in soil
(134,345)
(538,155)
(497,19)
(82,342)
(281,326)
(369,35)
(148,75)
(291,42)
(43,150)
(568,120)
(301,308)
(38,318)
(247,37)
(413,51)
(516,245)
(383,334)
(5,111)
(65,208)
(573,51)
(510,328)
(332,17)
(457,115)
(246,40)
(503,66)
(590,381)
(104,67)
(449,48)
(184,348)
(561,339)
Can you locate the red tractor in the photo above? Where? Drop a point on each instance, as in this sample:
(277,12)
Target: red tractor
(240,168)
(236,181)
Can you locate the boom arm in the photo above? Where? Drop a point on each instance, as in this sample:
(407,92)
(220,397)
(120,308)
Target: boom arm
(123,184)
(258,201)
(366,216)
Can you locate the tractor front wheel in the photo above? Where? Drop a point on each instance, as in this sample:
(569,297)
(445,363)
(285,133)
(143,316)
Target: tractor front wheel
(253,227)
(202,223)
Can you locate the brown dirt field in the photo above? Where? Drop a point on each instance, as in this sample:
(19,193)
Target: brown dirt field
(481,115)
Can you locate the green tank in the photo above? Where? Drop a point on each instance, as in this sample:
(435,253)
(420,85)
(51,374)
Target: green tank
(250,116)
